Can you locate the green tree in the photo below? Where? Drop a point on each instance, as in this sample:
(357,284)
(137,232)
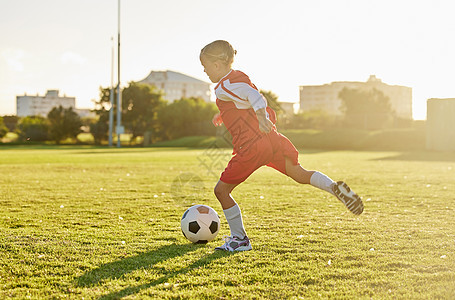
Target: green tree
(187,117)
(11,122)
(3,129)
(272,101)
(312,119)
(140,106)
(33,128)
(63,123)
(141,103)
(368,109)
(99,129)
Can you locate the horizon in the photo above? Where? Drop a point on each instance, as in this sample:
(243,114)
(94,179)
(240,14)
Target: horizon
(67,47)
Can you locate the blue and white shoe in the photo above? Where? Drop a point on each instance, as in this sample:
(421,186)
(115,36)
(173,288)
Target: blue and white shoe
(347,196)
(234,243)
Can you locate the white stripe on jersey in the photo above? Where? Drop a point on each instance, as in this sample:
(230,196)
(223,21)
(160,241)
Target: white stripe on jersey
(242,94)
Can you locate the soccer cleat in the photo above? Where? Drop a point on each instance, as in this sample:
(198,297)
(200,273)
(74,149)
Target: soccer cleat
(352,201)
(234,243)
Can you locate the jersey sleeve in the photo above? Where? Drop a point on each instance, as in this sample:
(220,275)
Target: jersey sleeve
(245,92)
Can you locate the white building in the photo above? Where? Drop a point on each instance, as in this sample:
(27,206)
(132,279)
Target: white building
(440,124)
(325,97)
(85,113)
(42,105)
(176,85)
(289,108)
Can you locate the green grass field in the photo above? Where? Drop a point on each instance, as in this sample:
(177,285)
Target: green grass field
(98,223)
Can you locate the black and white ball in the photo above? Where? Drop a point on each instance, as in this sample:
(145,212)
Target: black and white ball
(200,224)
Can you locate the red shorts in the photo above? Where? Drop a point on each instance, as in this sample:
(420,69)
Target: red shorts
(271,150)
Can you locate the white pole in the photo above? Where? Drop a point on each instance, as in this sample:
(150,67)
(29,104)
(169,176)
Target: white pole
(119,94)
(111,97)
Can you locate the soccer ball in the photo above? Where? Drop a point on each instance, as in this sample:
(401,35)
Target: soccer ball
(200,224)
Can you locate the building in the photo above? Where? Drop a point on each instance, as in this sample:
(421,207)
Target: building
(176,85)
(85,113)
(289,108)
(42,105)
(440,124)
(325,97)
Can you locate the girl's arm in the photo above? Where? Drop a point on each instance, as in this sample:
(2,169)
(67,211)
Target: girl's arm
(265,125)
(241,91)
(216,120)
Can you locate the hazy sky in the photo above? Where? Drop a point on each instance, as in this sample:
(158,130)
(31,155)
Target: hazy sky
(66,44)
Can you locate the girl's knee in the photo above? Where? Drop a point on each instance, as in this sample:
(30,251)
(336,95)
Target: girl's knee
(219,191)
(222,189)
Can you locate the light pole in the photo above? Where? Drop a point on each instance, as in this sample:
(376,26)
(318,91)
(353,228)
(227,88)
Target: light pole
(111,97)
(119,128)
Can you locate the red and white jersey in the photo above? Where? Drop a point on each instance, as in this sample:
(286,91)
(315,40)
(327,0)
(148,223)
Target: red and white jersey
(237,99)
(237,87)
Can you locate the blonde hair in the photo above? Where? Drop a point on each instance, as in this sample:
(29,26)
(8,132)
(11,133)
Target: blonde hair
(219,50)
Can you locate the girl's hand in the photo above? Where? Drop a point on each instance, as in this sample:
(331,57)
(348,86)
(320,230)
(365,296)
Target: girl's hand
(216,120)
(265,125)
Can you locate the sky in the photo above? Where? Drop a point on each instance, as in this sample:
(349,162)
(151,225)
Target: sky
(67,44)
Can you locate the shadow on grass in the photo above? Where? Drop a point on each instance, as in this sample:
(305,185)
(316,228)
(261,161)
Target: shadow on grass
(145,260)
(421,156)
(131,150)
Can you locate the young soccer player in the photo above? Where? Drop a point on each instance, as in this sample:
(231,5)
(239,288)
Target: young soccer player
(256,142)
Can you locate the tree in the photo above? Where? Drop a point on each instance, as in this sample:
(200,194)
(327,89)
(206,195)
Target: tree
(99,129)
(11,122)
(141,103)
(63,123)
(140,106)
(369,109)
(312,119)
(33,128)
(3,129)
(187,117)
(272,101)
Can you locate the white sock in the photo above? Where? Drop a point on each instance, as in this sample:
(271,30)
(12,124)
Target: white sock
(322,182)
(234,219)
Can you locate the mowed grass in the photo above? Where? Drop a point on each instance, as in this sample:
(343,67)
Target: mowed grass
(98,223)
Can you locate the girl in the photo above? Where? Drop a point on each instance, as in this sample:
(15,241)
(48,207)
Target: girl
(256,142)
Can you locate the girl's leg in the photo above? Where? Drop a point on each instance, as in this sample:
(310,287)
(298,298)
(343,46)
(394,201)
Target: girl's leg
(223,194)
(230,208)
(315,178)
(298,173)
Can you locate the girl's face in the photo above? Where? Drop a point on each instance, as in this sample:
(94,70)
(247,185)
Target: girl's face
(214,69)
